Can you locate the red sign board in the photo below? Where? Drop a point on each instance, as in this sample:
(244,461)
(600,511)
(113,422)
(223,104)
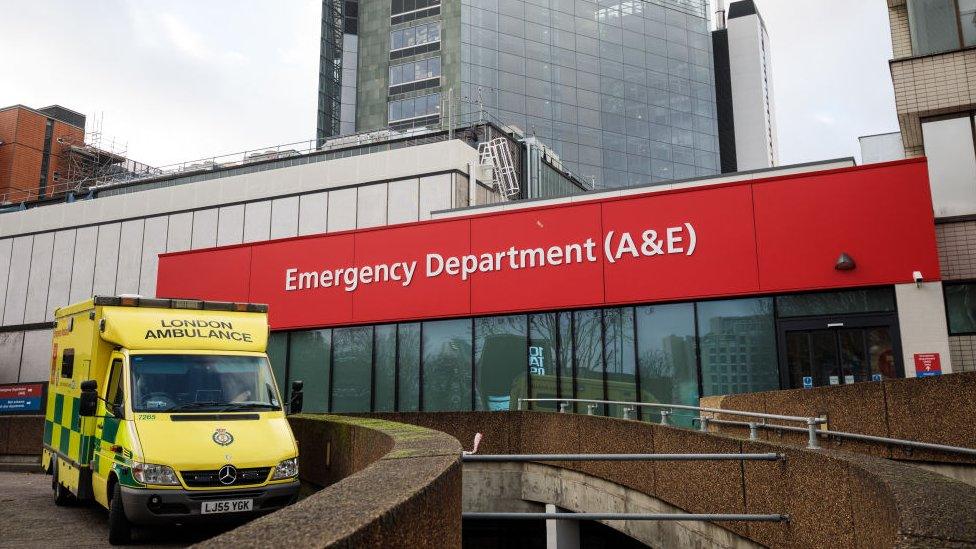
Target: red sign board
(928,364)
(760,236)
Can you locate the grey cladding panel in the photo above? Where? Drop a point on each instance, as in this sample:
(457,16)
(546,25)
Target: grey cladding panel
(342,210)
(179,232)
(436,193)
(204,229)
(35,362)
(404,201)
(16,299)
(83,269)
(230,225)
(11,347)
(313,213)
(284,217)
(153,244)
(62,262)
(257,221)
(130,257)
(106,258)
(371,206)
(6,245)
(40,278)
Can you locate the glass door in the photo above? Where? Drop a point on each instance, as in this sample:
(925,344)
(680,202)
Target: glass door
(824,352)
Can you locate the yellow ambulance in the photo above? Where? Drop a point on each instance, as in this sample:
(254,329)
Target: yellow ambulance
(166,411)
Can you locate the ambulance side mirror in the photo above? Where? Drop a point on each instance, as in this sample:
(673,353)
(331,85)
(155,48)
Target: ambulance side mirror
(295,406)
(88,403)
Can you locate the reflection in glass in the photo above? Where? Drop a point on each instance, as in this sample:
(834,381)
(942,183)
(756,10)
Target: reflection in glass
(881,353)
(567,381)
(447,365)
(619,352)
(408,348)
(352,369)
(798,359)
(277,356)
(666,356)
(933,26)
(823,352)
(588,355)
(385,354)
(738,349)
(874,300)
(961,308)
(543,338)
(309,362)
(500,362)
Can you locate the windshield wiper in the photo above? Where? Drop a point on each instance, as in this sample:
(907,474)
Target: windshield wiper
(193,406)
(249,406)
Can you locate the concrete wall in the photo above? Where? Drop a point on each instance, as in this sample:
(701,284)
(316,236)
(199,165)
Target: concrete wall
(922,323)
(54,255)
(753,107)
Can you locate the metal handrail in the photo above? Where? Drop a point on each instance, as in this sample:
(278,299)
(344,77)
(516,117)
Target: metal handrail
(813,442)
(753,435)
(709,517)
(770,456)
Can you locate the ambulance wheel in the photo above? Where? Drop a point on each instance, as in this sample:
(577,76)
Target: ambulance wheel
(119,527)
(62,496)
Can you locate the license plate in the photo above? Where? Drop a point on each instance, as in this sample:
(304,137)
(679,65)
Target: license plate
(227,506)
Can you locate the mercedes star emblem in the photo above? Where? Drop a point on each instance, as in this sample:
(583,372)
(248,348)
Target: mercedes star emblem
(227,475)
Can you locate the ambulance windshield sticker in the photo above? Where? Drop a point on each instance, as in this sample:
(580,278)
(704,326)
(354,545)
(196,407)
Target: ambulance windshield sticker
(222,437)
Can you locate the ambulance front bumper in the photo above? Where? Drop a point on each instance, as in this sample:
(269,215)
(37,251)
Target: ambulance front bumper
(153,506)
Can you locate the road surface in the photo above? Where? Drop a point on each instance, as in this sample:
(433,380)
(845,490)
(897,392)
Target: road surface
(29,518)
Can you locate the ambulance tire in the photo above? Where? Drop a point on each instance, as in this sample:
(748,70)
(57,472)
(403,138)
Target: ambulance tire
(119,527)
(62,496)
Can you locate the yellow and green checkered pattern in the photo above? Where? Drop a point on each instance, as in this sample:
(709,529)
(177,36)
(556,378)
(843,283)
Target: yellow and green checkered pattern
(62,428)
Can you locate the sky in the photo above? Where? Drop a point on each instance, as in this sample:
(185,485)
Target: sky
(178,80)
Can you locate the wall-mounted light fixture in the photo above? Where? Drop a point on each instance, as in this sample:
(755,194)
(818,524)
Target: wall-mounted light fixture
(845,262)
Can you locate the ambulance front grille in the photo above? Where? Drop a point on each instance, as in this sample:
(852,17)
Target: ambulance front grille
(211,479)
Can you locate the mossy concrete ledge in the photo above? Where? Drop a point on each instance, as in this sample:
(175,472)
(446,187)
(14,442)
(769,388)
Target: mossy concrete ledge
(379,484)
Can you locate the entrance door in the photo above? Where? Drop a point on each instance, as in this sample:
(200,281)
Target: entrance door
(825,351)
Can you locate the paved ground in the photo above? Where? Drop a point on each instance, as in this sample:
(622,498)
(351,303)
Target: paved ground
(29,518)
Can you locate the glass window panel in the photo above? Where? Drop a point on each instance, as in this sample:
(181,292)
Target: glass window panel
(434,66)
(277,355)
(961,308)
(588,355)
(737,337)
(566,381)
(543,342)
(408,349)
(447,365)
(619,351)
(831,303)
(933,26)
(385,356)
(352,369)
(666,356)
(967,20)
(500,362)
(881,356)
(309,362)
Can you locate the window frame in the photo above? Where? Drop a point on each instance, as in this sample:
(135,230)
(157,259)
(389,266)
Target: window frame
(960,35)
(945,300)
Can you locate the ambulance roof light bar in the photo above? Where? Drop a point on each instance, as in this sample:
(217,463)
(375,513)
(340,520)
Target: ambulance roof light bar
(130,300)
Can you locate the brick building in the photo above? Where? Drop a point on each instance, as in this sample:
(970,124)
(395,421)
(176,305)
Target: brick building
(34,149)
(934,77)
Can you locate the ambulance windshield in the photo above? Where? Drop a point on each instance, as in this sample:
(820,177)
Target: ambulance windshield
(202,383)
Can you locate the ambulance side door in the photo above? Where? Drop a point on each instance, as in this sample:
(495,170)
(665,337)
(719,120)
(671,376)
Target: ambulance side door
(110,419)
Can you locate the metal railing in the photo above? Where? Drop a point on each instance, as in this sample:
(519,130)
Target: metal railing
(709,517)
(754,435)
(771,456)
(812,423)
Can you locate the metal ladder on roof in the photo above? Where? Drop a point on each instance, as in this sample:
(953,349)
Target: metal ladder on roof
(496,156)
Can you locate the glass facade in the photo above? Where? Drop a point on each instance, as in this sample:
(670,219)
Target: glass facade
(941,25)
(623,91)
(961,308)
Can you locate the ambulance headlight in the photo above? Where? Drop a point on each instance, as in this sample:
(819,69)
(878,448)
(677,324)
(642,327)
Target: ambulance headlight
(150,473)
(286,469)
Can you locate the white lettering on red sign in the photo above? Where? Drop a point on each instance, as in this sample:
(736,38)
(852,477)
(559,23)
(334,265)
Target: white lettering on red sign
(677,240)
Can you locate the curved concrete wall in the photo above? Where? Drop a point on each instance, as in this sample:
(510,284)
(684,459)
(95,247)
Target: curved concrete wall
(935,409)
(387,485)
(834,499)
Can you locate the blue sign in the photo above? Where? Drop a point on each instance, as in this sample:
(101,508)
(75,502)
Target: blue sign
(807,382)
(875,377)
(20,404)
(930,373)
